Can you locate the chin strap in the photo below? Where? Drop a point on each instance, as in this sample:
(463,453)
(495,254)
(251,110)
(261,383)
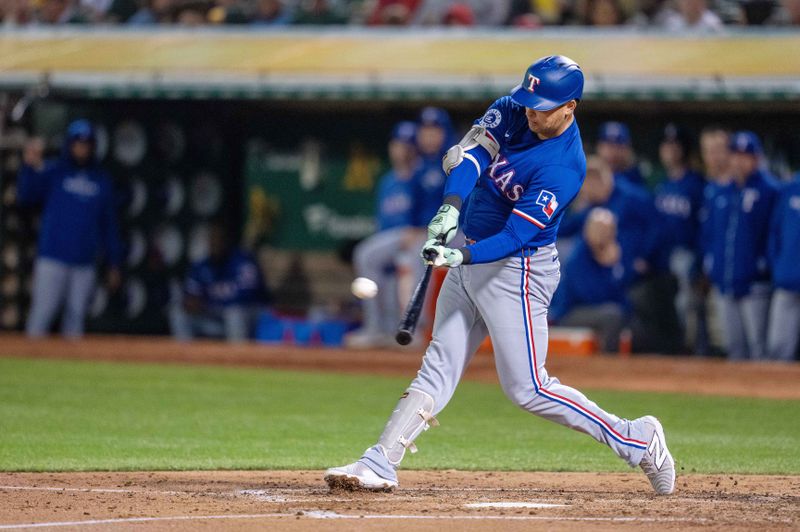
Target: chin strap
(411,417)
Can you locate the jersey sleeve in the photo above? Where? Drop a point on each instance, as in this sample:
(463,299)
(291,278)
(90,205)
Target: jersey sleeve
(538,207)
(462,178)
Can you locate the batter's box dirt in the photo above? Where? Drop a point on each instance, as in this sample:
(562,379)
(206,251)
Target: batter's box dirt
(437,501)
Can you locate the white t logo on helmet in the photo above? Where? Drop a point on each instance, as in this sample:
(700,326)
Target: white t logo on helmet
(533,81)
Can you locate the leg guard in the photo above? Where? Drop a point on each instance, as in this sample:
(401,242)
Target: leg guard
(412,416)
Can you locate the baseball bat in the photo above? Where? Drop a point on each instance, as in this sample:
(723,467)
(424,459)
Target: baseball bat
(405,332)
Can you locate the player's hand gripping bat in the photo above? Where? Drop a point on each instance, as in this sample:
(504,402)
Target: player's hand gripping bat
(405,331)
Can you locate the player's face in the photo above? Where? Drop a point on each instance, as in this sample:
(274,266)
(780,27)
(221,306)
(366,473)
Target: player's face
(430,139)
(549,124)
(715,154)
(401,154)
(671,154)
(743,165)
(80,151)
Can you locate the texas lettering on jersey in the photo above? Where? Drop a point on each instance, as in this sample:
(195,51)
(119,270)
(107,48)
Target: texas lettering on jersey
(501,177)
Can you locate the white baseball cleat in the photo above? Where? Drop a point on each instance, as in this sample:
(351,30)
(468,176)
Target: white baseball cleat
(657,462)
(360,476)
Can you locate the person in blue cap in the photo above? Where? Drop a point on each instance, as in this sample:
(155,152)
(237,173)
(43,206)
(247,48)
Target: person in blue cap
(223,294)
(615,147)
(434,136)
(738,225)
(783,335)
(388,257)
(521,164)
(79,225)
(678,201)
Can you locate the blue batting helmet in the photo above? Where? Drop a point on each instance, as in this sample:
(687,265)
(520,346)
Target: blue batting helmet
(550,82)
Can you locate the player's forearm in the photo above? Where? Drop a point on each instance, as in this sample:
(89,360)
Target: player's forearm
(494,248)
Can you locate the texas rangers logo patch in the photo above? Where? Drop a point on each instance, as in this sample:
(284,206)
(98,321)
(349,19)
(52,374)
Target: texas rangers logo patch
(547,200)
(491,119)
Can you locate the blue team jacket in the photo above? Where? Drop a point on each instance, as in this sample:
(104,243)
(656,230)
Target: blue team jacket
(637,228)
(784,238)
(737,230)
(429,180)
(587,282)
(235,281)
(396,201)
(679,203)
(79,218)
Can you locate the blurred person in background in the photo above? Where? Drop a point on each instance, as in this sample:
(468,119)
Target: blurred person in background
(79,223)
(458,14)
(678,200)
(715,155)
(649,13)
(434,136)
(631,205)
(319,13)
(191,13)
(393,12)
(222,294)
(16,13)
(434,12)
(57,12)
(601,13)
(692,16)
(787,14)
(152,12)
(271,13)
(615,148)
(640,235)
(593,288)
(738,218)
(784,254)
(389,257)
(533,14)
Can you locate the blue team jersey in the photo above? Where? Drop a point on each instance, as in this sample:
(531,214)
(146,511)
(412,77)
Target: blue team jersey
(587,282)
(520,196)
(632,175)
(737,227)
(396,199)
(79,219)
(784,238)
(236,281)
(679,202)
(430,181)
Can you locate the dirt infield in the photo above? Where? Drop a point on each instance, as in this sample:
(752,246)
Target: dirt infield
(638,373)
(439,501)
(427,501)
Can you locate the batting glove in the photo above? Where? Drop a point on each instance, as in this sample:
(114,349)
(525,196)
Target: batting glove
(444,224)
(442,256)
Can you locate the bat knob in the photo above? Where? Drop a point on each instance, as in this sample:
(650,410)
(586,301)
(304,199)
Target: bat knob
(403,337)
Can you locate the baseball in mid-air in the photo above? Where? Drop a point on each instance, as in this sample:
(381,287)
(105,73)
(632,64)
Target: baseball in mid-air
(364,288)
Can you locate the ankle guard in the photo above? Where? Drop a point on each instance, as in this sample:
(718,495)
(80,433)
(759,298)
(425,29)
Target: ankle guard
(412,415)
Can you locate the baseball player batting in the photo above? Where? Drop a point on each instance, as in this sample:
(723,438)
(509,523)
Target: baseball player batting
(521,165)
